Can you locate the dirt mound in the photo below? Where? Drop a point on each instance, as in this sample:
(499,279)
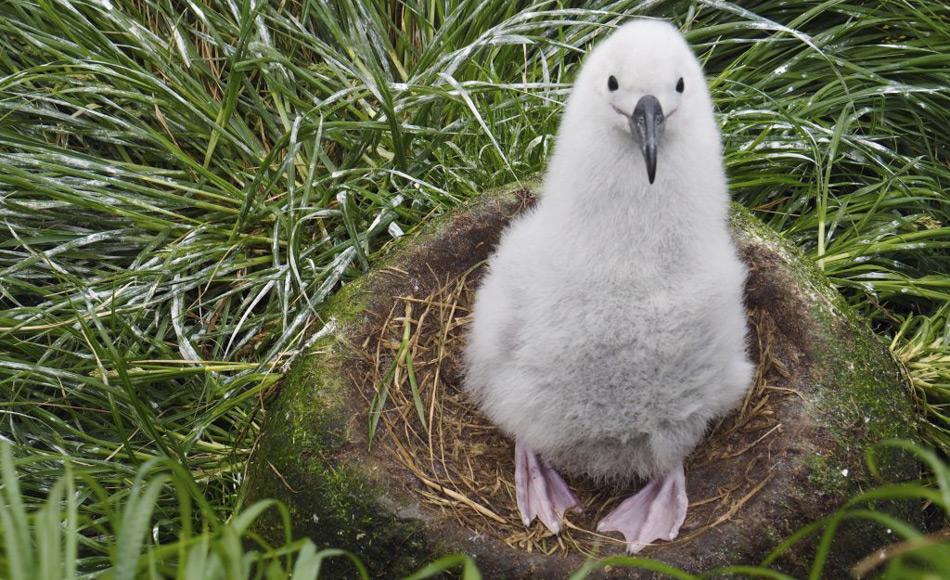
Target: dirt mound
(375,446)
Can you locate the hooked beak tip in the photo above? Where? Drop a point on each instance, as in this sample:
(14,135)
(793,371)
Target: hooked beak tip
(647,125)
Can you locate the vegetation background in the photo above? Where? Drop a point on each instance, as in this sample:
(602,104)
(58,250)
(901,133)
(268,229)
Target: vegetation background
(183,182)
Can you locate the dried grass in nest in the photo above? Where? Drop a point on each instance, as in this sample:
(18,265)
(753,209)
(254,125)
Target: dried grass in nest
(464,465)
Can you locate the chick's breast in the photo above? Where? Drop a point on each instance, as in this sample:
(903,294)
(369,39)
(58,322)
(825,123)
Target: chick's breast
(613,377)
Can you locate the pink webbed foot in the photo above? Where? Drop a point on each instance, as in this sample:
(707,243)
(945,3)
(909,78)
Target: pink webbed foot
(540,491)
(656,512)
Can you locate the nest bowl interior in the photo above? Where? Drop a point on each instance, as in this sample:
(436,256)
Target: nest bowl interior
(429,436)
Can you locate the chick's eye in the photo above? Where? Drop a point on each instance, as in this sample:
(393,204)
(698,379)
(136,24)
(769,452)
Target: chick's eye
(680,86)
(612,83)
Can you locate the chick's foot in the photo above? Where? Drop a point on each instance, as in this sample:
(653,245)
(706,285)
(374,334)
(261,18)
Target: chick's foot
(656,512)
(540,491)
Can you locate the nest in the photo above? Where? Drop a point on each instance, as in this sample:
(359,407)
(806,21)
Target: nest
(461,466)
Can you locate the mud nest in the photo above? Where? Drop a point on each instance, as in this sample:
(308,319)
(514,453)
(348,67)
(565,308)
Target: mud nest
(435,477)
(455,461)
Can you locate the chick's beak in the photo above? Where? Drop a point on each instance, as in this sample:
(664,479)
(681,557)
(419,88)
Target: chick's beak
(646,124)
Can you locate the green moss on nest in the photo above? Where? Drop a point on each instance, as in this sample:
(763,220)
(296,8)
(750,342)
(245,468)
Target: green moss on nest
(826,477)
(331,500)
(851,365)
(853,402)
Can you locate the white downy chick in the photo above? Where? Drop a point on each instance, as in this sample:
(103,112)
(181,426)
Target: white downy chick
(609,330)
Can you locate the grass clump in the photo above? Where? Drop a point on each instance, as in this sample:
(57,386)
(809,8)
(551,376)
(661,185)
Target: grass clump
(182,184)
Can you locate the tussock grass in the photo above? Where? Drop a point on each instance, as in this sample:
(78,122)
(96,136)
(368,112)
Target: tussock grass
(182,183)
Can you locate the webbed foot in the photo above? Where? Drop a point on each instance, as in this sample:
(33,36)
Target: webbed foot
(656,512)
(540,491)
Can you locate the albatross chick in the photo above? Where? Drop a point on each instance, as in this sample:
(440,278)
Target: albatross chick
(609,330)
